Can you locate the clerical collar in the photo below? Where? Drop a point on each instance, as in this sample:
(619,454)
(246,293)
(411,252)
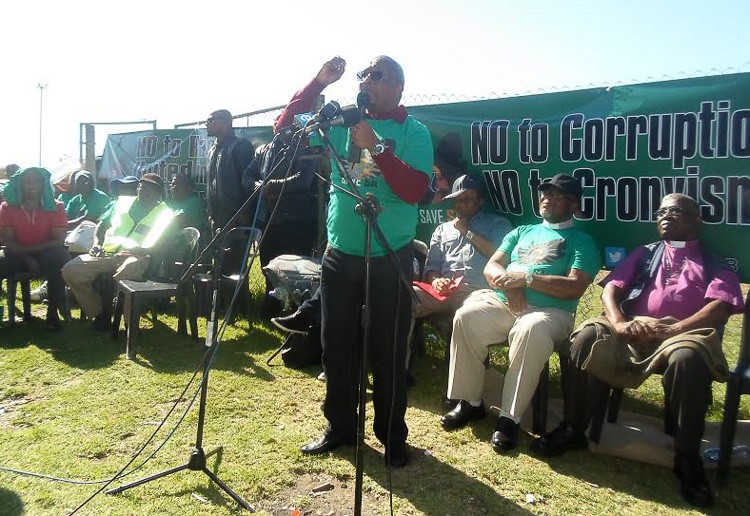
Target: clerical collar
(681,244)
(558,225)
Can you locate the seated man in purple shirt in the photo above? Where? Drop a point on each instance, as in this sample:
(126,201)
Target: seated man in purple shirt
(665,306)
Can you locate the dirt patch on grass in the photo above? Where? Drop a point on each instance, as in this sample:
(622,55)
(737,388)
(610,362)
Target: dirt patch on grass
(9,407)
(322,495)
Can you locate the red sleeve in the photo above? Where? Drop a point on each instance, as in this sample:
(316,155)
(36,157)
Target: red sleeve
(58,219)
(301,102)
(5,216)
(407,182)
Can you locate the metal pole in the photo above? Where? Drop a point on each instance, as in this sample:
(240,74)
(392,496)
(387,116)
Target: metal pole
(41,100)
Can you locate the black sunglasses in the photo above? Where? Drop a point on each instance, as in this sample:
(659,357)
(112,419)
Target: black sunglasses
(374,75)
(669,210)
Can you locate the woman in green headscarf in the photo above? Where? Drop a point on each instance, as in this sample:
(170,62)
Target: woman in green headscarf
(33,227)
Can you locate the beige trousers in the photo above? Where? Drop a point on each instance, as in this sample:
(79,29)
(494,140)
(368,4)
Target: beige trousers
(484,320)
(80,273)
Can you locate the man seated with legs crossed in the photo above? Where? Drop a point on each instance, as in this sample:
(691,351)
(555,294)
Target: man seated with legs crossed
(539,272)
(133,229)
(460,248)
(665,306)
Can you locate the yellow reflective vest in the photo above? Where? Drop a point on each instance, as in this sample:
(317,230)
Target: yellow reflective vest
(125,233)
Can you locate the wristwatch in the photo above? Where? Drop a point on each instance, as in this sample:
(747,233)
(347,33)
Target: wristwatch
(529,279)
(469,235)
(378,149)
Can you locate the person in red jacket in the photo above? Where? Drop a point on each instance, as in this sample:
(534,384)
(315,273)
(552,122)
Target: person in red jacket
(33,227)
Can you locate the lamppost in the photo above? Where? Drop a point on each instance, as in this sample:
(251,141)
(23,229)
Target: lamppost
(41,100)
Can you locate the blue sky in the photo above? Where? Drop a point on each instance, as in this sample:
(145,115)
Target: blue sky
(176,61)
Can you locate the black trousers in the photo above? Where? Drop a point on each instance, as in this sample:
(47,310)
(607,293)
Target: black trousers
(51,262)
(342,296)
(687,392)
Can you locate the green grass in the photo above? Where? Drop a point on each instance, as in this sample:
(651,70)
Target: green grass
(74,407)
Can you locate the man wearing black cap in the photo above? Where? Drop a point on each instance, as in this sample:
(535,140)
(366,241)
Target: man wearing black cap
(538,273)
(131,231)
(665,307)
(459,250)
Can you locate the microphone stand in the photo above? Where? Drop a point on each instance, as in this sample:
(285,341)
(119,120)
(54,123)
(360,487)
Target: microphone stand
(369,207)
(197,459)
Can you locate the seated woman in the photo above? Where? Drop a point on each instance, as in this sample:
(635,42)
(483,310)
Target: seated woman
(33,227)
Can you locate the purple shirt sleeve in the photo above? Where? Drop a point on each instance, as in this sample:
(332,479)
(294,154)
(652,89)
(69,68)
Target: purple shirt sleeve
(726,287)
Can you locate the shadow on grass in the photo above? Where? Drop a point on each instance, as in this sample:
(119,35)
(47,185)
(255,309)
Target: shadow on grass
(76,344)
(449,491)
(10,503)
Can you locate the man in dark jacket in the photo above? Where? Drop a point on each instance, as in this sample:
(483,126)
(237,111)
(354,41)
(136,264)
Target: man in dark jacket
(227,159)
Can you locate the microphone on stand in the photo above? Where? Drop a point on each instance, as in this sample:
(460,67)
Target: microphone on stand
(346,116)
(355,153)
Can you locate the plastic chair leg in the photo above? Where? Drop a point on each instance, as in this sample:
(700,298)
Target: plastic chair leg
(728,427)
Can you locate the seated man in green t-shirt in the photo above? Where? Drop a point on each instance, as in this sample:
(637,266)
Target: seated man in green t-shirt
(189,209)
(539,272)
(89,203)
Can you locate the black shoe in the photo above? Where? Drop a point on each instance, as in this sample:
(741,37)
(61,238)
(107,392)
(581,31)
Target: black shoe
(52,321)
(558,441)
(295,323)
(100,323)
(449,403)
(397,455)
(325,444)
(463,414)
(694,486)
(505,436)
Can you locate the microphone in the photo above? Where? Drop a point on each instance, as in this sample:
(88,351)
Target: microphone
(328,111)
(347,117)
(363,101)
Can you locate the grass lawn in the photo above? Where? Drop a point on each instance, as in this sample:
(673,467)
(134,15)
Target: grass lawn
(72,406)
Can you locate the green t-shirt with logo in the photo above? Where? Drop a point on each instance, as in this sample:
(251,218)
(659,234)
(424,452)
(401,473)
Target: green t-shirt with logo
(539,249)
(411,143)
(93,206)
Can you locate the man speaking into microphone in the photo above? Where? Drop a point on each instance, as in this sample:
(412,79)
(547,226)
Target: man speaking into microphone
(389,155)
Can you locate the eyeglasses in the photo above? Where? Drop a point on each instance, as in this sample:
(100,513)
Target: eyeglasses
(374,75)
(669,210)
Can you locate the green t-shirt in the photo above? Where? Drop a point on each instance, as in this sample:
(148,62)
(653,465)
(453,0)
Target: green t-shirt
(92,206)
(191,212)
(65,197)
(411,143)
(541,250)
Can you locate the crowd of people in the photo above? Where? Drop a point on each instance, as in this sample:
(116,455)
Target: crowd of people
(665,306)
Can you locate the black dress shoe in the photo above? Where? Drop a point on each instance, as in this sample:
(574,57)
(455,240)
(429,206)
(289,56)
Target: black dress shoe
(558,441)
(397,455)
(463,414)
(449,403)
(505,436)
(52,322)
(694,486)
(295,323)
(325,444)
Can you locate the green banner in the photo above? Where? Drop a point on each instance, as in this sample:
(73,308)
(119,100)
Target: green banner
(166,152)
(629,145)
